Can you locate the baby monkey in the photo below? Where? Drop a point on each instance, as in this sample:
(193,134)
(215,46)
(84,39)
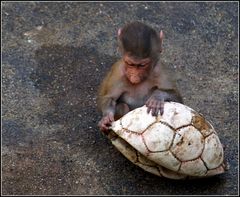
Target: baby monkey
(138,78)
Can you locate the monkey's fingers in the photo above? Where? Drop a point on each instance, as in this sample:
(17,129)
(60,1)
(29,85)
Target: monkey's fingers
(158,107)
(154,108)
(161,107)
(105,128)
(105,123)
(102,126)
(148,109)
(149,105)
(111,118)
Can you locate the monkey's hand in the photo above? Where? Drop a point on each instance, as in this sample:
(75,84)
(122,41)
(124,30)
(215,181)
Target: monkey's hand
(156,102)
(105,122)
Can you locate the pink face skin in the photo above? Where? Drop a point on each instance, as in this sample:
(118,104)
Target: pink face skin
(136,70)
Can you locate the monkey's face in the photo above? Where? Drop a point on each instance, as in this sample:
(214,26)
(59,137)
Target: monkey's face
(136,70)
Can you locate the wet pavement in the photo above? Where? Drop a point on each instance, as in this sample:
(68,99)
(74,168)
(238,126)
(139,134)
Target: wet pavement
(54,56)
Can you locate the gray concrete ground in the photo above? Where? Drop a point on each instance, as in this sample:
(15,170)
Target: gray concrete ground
(54,56)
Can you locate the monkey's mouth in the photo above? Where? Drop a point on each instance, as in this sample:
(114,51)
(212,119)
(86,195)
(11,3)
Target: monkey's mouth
(134,79)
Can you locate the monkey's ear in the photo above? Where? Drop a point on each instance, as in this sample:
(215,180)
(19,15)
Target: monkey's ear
(161,40)
(119,32)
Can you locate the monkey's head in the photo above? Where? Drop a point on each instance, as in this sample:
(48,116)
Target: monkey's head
(140,46)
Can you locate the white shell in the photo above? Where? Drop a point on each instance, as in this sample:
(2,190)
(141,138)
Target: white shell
(178,144)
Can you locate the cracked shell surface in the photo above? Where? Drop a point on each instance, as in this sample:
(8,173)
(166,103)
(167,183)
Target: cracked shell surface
(141,161)
(188,143)
(176,145)
(158,137)
(176,114)
(140,118)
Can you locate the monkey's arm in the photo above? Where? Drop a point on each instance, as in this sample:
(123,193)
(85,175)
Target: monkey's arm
(155,103)
(168,95)
(108,108)
(164,90)
(108,111)
(108,105)
(110,90)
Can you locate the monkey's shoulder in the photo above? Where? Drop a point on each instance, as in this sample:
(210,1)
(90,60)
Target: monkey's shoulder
(115,73)
(117,69)
(113,79)
(163,77)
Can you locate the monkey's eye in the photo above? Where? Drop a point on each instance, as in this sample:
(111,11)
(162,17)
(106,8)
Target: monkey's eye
(141,65)
(129,64)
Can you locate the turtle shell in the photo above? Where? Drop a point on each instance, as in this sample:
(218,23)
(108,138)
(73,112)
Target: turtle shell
(181,143)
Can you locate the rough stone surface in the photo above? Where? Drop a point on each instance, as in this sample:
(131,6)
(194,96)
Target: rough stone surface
(54,55)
